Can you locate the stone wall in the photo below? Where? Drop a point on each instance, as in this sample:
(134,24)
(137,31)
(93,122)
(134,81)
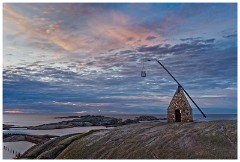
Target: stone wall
(179,102)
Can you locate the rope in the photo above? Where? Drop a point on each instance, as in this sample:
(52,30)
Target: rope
(143,66)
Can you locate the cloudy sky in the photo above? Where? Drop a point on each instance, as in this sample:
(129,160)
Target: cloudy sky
(67,57)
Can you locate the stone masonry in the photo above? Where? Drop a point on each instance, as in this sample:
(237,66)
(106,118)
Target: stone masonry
(179,108)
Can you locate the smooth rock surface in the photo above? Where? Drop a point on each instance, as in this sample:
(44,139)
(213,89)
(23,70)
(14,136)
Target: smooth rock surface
(150,140)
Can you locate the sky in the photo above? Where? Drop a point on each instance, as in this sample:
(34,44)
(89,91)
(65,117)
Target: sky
(88,57)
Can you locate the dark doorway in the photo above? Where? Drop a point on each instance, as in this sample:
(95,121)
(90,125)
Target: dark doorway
(177,116)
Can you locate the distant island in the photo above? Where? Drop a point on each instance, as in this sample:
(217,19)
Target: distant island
(86,120)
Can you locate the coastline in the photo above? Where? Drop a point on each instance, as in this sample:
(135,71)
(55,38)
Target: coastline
(12,129)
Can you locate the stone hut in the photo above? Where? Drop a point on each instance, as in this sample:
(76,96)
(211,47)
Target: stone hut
(179,109)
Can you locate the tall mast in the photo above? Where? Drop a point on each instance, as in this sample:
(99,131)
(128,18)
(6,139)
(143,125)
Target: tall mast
(181,86)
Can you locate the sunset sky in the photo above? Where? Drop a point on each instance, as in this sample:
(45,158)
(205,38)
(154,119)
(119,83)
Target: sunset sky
(80,57)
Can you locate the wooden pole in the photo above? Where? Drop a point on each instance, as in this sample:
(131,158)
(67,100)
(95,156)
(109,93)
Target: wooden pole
(181,86)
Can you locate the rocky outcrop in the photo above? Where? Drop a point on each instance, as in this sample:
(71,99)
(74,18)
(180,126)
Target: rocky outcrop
(25,137)
(66,117)
(146,118)
(60,125)
(83,121)
(7,127)
(52,148)
(98,120)
(148,140)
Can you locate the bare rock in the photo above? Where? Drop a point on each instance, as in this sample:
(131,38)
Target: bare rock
(158,140)
(146,118)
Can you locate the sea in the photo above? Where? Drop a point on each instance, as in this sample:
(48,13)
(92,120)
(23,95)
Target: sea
(10,149)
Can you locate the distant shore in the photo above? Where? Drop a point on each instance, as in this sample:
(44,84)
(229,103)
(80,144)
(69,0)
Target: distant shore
(84,121)
(78,121)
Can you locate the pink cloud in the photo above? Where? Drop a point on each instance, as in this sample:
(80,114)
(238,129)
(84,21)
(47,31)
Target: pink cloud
(13,111)
(100,33)
(148,97)
(83,104)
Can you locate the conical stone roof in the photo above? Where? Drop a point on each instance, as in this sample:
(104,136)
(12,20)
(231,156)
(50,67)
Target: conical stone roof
(179,108)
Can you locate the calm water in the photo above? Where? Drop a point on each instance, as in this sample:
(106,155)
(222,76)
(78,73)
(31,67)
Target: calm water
(17,147)
(57,132)
(33,120)
(196,117)
(211,117)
